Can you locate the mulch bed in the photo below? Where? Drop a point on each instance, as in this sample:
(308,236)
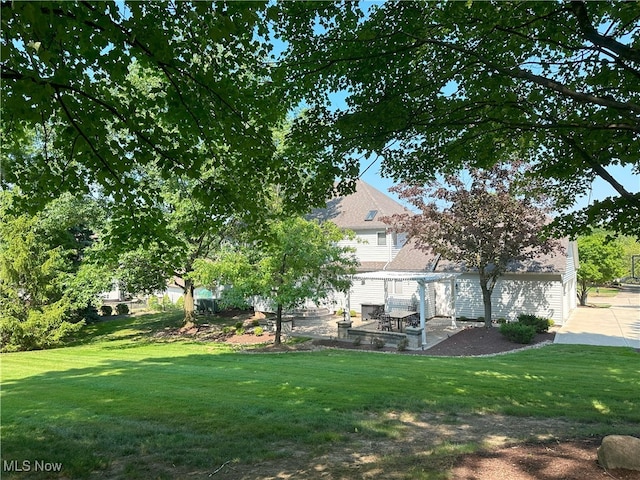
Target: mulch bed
(567,460)
(482,341)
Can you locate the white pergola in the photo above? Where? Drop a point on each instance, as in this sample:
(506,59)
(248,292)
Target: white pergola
(422,279)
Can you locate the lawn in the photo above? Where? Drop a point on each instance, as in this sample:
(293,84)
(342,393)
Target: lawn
(120,404)
(603,292)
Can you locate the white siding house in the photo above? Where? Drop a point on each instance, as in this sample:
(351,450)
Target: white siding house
(361,212)
(375,245)
(546,286)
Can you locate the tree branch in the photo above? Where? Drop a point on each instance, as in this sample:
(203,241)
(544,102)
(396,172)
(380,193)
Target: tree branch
(600,170)
(517,72)
(78,129)
(134,41)
(98,101)
(579,9)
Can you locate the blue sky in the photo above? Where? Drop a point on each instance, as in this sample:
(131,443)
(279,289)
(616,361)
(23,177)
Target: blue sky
(599,190)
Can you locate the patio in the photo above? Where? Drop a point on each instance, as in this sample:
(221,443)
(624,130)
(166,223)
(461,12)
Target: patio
(437,329)
(399,315)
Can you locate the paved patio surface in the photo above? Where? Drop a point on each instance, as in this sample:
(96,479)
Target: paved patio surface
(438,329)
(615,326)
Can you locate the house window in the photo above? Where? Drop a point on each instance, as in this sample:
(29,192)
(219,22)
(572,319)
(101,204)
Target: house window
(371,215)
(382,238)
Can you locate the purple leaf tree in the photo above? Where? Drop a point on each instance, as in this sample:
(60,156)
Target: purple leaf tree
(483,223)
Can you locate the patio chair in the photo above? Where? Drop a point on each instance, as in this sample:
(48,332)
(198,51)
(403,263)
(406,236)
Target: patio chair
(377,313)
(384,322)
(414,320)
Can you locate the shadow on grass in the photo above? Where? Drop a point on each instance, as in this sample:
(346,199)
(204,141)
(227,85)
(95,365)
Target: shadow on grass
(150,416)
(127,327)
(166,412)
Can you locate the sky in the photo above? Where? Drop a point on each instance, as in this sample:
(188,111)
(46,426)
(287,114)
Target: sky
(599,190)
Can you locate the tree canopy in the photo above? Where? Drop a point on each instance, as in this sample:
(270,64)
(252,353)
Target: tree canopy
(432,86)
(166,111)
(46,283)
(105,89)
(601,261)
(299,260)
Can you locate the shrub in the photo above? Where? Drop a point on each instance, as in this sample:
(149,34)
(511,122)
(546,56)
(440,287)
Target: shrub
(518,332)
(154,304)
(106,310)
(122,309)
(258,331)
(44,328)
(480,319)
(180,303)
(340,313)
(501,320)
(357,341)
(255,322)
(378,343)
(403,345)
(228,329)
(240,331)
(89,314)
(540,324)
(167,304)
(239,325)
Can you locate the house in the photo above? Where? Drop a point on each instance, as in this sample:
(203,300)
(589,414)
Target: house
(545,286)
(375,244)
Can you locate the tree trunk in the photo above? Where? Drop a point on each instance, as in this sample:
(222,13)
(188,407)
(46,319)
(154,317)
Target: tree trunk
(583,292)
(189,305)
(582,296)
(486,299)
(277,339)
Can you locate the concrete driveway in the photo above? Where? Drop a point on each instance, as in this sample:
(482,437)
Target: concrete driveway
(616,326)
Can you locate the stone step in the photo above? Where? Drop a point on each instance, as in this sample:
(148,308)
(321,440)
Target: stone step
(310,313)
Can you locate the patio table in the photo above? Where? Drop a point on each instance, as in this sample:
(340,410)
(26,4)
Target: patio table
(401,315)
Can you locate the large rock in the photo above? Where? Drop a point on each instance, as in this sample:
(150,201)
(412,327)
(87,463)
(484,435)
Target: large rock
(620,451)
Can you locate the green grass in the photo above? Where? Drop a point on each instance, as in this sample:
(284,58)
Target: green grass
(121,402)
(603,292)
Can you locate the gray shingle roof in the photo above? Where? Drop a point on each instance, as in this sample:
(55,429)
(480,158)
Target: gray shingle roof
(350,211)
(370,266)
(412,259)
